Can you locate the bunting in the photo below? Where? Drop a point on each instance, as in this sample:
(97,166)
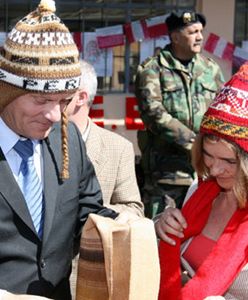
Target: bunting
(108,37)
(152,28)
(156,26)
(77,36)
(143,29)
(136,31)
(219,47)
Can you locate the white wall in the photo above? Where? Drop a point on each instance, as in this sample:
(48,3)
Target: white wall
(220,20)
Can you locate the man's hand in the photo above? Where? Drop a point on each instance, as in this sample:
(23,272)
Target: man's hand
(170,221)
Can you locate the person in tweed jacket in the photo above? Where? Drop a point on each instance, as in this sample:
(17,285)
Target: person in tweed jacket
(111,155)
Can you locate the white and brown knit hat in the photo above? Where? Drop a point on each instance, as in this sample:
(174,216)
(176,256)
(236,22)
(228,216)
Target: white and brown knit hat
(39,55)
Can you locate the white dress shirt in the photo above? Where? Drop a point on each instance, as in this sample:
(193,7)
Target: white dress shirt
(8,138)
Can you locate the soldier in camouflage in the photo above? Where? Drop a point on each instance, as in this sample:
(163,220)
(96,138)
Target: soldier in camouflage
(173,90)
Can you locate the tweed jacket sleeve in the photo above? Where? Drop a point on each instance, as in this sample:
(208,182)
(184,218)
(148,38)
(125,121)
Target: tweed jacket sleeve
(126,194)
(113,160)
(90,196)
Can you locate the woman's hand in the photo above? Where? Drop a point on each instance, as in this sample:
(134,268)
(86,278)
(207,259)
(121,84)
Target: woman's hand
(170,221)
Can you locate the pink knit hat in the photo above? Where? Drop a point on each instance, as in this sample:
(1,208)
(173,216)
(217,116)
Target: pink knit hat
(227,116)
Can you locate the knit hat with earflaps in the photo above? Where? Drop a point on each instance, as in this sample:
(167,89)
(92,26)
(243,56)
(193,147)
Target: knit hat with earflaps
(39,55)
(227,116)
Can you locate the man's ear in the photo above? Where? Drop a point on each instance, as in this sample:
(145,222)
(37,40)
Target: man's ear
(175,37)
(82,98)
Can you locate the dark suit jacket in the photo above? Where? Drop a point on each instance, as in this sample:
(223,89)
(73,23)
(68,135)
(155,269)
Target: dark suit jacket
(28,265)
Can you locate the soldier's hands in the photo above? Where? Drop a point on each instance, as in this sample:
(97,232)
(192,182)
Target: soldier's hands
(10,296)
(170,221)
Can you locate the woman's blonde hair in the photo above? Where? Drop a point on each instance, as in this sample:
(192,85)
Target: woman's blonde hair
(241,184)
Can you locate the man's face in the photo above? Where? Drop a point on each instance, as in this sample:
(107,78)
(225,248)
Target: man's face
(188,41)
(32,115)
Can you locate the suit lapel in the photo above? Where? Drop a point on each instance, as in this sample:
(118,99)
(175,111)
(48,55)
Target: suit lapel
(52,163)
(12,193)
(95,148)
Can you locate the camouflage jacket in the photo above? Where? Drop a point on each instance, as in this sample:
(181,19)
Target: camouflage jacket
(172,99)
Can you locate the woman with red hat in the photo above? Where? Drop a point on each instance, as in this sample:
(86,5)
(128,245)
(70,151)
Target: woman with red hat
(204,247)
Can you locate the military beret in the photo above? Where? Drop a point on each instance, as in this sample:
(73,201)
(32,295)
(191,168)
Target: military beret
(180,20)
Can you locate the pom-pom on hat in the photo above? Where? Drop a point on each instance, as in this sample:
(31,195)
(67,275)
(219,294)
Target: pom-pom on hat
(179,20)
(39,55)
(227,116)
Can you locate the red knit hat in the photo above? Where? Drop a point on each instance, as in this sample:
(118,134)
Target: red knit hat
(227,116)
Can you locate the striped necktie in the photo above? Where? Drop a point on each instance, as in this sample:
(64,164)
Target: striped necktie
(30,184)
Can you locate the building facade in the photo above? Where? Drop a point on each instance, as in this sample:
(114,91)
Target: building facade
(227,19)
(88,15)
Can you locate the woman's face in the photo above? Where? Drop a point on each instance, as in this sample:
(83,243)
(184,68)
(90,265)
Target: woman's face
(221,161)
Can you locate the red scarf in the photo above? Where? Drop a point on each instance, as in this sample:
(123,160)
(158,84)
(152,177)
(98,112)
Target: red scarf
(222,265)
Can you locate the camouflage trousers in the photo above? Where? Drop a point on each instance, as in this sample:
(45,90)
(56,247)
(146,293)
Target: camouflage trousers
(154,197)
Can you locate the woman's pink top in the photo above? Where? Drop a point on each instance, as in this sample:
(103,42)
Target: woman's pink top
(198,250)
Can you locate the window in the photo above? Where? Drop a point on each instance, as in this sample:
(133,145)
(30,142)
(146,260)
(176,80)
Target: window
(241,22)
(241,27)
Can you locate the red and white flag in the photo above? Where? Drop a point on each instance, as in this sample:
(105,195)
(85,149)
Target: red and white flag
(132,119)
(156,26)
(110,36)
(136,31)
(77,36)
(96,111)
(219,47)
(240,56)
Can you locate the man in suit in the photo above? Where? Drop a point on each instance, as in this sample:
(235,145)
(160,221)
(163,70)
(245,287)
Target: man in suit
(111,154)
(39,74)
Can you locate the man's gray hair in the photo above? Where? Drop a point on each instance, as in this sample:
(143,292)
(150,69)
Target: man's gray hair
(88,80)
